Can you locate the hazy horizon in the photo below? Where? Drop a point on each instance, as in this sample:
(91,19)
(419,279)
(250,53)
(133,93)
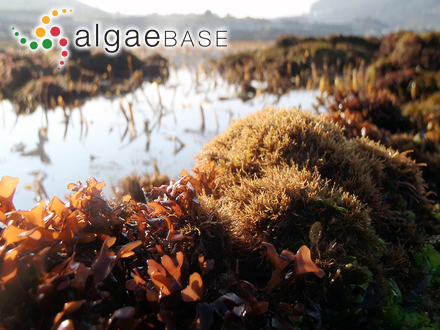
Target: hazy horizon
(278,8)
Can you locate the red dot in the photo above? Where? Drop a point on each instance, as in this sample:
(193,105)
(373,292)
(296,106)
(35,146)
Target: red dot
(63,42)
(55,31)
(64,53)
(62,62)
(58,68)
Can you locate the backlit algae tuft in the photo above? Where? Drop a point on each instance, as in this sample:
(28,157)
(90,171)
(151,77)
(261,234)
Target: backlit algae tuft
(285,170)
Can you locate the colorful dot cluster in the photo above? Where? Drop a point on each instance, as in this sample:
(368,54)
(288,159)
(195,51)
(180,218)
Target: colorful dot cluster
(40,32)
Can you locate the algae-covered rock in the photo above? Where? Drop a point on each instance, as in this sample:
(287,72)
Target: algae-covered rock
(123,64)
(137,185)
(293,61)
(407,65)
(15,72)
(29,81)
(376,115)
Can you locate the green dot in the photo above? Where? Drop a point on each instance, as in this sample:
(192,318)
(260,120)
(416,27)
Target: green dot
(13,28)
(47,43)
(33,45)
(23,40)
(16,33)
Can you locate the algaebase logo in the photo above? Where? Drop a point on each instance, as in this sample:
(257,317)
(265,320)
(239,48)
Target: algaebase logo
(48,42)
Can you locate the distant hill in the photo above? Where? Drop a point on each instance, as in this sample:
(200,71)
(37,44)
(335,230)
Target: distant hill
(349,17)
(409,14)
(24,14)
(45,5)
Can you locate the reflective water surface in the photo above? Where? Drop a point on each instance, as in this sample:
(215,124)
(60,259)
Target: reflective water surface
(156,128)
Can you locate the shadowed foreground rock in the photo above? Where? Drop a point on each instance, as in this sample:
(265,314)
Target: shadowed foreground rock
(216,249)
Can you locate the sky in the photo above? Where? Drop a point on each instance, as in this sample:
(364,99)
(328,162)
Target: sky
(240,9)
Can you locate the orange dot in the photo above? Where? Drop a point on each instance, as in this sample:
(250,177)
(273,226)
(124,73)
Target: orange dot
(40,32)
(70,9)
(45,20)
(55,13)
(64,11)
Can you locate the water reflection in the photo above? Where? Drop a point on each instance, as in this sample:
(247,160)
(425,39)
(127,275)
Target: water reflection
(157,128)
(37,185)
(39,150)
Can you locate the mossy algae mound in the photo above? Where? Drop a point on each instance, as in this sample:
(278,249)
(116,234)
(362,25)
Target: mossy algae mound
(285,170)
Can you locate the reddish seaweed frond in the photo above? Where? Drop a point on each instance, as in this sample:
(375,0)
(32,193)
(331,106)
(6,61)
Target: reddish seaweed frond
(304,263)
(194,290)
(7,191)
(302,259)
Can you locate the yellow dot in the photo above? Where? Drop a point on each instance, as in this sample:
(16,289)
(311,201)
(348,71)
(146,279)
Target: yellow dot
(45,20)
(40,32)
(64,11)
(55,13)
